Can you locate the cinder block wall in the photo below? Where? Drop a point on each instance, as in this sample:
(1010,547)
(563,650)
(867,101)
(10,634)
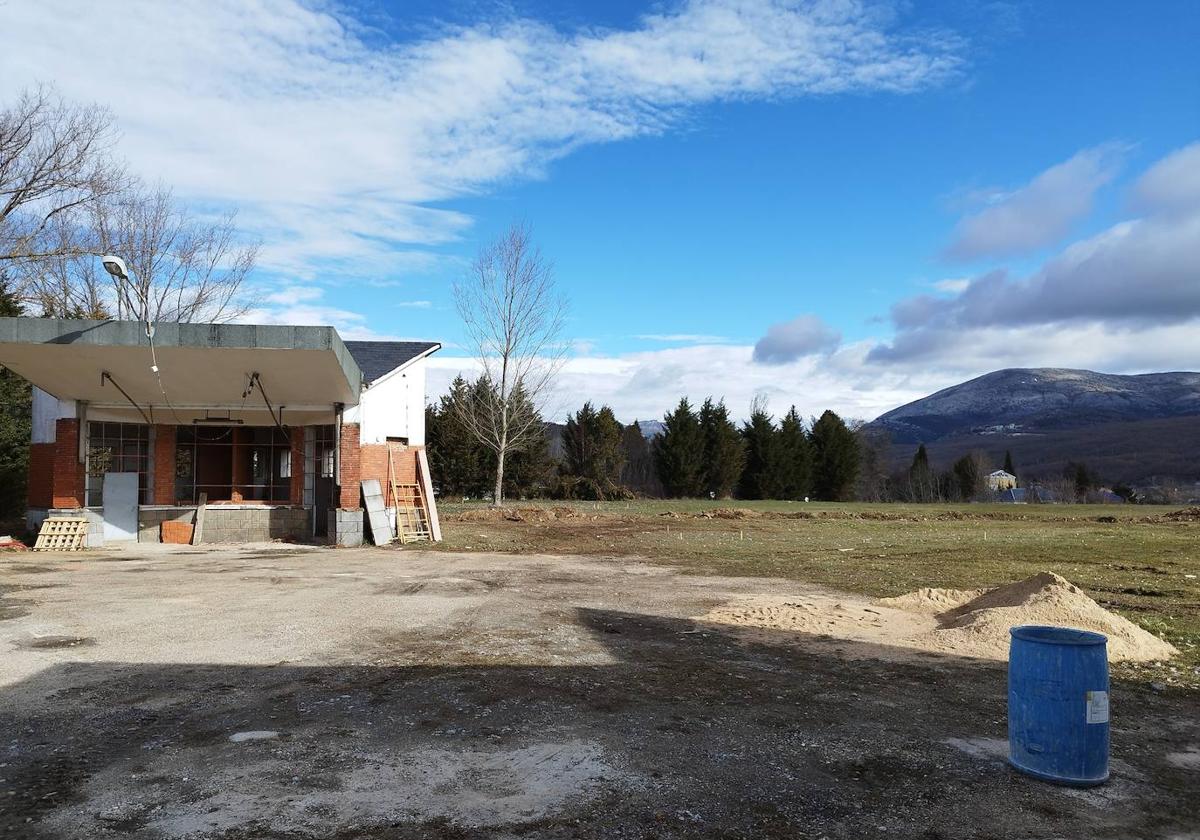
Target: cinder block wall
(235,525)
(150,520)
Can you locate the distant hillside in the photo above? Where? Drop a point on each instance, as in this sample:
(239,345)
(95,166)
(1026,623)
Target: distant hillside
(1127,428)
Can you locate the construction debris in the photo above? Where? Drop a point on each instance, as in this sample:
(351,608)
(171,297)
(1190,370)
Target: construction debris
(62,533)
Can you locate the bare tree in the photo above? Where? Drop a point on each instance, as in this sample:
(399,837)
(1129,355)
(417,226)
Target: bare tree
(513,317)
(65,200)
(55,160)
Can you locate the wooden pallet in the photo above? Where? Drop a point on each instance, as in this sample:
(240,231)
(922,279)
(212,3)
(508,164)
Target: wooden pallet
(62,533)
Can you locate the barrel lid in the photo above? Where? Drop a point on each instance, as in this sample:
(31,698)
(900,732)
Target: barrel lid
(1048,635)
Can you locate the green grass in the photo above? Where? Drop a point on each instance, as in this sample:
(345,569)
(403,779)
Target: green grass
(1136,566)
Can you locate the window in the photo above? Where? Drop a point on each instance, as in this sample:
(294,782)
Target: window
(324,445)
(230,463)
(116,447)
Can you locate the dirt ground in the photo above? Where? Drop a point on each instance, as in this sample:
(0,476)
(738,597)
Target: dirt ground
(282,692)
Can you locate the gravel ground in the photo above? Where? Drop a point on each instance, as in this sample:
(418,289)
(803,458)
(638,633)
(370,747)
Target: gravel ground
(281,692)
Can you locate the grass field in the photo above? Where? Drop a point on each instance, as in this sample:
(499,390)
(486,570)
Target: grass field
(1138,561)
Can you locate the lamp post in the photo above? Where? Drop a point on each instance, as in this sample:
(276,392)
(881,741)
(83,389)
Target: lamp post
(115,266)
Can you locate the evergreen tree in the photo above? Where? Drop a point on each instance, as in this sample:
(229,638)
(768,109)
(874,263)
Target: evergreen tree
(724,454)
(1008,464)
(15,422)
(638,473)
(968,476)
(763,476)
(835,459)
(679,453)
(593,455)
(795,455)
(457,459)
(528,472)
(922,483)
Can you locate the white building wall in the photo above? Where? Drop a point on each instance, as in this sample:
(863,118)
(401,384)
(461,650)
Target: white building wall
(46,409)
(393,407)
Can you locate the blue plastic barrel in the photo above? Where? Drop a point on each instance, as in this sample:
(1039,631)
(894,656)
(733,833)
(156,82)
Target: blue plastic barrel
(1058,704)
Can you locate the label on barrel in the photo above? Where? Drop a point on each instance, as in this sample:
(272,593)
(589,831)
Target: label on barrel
(1097,707)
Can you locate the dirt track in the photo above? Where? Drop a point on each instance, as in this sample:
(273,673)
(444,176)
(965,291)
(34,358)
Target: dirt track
(395,695)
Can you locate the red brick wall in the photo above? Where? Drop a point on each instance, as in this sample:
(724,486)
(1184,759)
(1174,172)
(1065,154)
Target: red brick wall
(164,465)
(297,488)
(40,490)
(374,464)
(348,463)
(68,472)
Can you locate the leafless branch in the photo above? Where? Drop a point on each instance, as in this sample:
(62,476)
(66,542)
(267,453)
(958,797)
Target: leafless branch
(513,317)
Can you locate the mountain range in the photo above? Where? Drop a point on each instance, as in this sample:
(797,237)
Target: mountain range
(1126,428)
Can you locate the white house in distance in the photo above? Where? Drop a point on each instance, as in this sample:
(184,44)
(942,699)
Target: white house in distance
(1001,480)
(275,426)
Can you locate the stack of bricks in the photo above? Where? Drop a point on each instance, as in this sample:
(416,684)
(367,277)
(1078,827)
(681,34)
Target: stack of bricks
(177,533)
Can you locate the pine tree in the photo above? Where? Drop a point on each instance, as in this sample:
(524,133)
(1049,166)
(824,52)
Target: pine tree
(679,453)
(835,459)
(593,455)
(968,476)
(15,422)
(920,477)
(763,476)
(724,454)
(638,473)
(457,459)
(795,455)
(1008,464)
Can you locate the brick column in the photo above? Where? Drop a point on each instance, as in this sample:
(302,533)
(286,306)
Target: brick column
(297,489)
(39,492)
(349,455)
(67,481)
(164,465)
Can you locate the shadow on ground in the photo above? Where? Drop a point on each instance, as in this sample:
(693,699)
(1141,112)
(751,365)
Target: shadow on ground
(690,732)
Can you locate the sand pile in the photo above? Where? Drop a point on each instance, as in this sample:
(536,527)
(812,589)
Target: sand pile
(971,623)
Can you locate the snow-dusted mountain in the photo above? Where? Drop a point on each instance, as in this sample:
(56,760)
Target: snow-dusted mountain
(1023,401)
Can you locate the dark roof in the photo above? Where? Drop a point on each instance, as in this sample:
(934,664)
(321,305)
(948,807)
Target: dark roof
(376,359)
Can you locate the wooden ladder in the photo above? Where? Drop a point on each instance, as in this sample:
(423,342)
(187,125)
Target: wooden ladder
(412,520)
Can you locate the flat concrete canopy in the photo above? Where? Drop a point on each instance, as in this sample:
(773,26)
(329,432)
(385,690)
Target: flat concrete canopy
(202,366)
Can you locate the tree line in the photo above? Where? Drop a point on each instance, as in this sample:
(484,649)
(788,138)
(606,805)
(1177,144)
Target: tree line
(700,452)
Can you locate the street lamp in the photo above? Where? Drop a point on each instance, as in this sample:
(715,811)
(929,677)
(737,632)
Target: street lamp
(115,266)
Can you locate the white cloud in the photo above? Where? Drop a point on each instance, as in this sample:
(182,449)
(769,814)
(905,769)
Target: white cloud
(1136,275)
(1172,184)
(305,306)
(415,304)
(335,145)
(804,335)
(688,338)
(1039,213)
(952,285)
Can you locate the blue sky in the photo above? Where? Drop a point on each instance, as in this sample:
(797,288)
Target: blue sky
(833,204)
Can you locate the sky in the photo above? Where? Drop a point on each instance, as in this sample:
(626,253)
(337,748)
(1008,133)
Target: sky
(839,204)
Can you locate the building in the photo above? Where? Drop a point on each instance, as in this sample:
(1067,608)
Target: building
(1001,480)
(275,426)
